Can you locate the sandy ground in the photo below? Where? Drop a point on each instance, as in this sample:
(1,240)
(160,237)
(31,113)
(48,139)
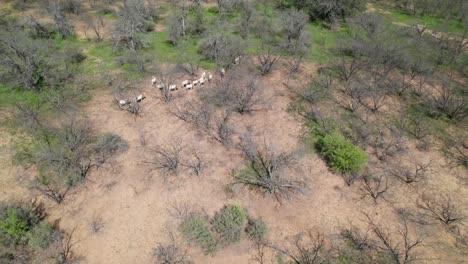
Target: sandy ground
(136,205)
(136,209)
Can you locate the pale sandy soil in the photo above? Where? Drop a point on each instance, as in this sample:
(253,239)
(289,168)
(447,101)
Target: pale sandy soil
(135,205)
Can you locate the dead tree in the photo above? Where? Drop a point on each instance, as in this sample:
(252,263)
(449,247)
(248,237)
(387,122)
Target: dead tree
(260,254)
(216,125)
(448,101)
(456,150)
(307,248)
(166,159)
(441,208)
(461,237)
(345,69)
(266,60)
(171,253)
(167,92)
(387,145)
(374,186)
(410,174)
(268,170)
(398,246)
(354,95)
(63,26)
(96,24)
(197,163)
(65,249)
(221,128)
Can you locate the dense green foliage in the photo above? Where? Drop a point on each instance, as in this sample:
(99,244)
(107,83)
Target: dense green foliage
(341,155)
(228,222)
(195,228)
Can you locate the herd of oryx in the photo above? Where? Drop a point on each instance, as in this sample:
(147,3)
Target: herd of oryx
(187,84)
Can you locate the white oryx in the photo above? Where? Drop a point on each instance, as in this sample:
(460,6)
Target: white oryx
(185,83)
(140,97)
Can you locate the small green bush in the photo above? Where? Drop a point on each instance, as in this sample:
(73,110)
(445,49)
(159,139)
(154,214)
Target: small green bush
(74,55)
(196,229)
(228,222)
(256,229)
(15,222)
(341,155)
(42,235)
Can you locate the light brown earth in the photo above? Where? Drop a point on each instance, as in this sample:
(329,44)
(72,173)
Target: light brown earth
(135,204)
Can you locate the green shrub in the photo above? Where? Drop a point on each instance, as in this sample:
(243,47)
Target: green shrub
(256,229)
(15,222)
(74,55)
(228,222)
(42,235)
(341,155)
(196,229)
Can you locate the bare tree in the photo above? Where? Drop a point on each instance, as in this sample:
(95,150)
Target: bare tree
(450,101)
(260,254)
(186,61)
(222,47)
(398,246)
(292,25)
(410,174)
(240,91)
(197,163)
(456,150)
(64,249)
(266,59)
(307,248)
(461,237)
(166,81)
(345,69)
(97,25)
(22,61)
(216,125)
(166,159)
(132,20)
(374,186)
(36,29)
(268,170)
(221,128)
(441,208)
(171,253)
(385,145)
(63,27)
(66,158)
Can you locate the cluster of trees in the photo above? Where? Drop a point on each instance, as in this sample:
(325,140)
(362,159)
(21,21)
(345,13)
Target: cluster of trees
(445,9)
(64,155)
(26,236)
(329,11)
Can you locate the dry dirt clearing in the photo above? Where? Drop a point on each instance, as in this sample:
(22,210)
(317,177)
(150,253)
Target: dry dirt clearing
(134,207)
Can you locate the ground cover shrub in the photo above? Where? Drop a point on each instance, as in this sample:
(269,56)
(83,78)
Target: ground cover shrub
(228,222)
(256,229)
(195,228)
(340,154)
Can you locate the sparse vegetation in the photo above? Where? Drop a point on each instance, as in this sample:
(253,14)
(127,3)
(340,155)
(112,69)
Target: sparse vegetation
(239,93)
